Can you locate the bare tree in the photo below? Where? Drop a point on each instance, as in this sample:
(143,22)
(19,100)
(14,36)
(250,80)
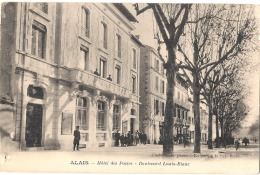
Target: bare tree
(214,34)
(170,19)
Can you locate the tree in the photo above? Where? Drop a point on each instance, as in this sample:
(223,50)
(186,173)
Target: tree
(214,34)
(171,19)
(254,130)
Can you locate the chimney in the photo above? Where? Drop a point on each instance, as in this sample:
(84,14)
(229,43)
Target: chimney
(137,36)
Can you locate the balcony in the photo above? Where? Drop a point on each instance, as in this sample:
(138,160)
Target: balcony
(96,82)
(181,122)
(184,104)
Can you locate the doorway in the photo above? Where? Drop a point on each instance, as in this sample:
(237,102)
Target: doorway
(33,133)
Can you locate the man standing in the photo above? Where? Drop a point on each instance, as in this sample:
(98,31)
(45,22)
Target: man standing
(117,138)
(76,138)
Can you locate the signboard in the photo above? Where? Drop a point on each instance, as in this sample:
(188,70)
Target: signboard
(66,124)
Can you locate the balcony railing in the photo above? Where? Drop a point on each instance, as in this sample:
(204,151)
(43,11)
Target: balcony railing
(97,82)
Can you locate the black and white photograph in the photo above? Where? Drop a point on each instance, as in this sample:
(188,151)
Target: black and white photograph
(129,88)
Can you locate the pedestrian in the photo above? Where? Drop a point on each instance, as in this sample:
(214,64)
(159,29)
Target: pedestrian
(122,139)
(76,138)
(144,138)
(129,138)
(184,141)
(117,138)
(125,140)
(237,144)
(137,137)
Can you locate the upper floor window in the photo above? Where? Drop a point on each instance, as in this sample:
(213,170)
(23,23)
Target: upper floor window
(162,69)
(163,110)
(83,61)
(102,68)
(156,83)
(43,6)
(162,86)
(35,92)
(85,22)
(38,39)
(104,35)
(156,107)
(118,43)
(179,95)
(117,74)
(157,65)
(133,84)
(134,58)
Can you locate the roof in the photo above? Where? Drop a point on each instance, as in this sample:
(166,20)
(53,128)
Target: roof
(137,40)
(125,12)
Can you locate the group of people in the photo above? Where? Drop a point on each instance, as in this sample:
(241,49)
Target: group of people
(130,139)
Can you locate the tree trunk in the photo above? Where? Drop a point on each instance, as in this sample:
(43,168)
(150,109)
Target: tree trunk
(196,106)
(210,127)
(169,110)
(217,132)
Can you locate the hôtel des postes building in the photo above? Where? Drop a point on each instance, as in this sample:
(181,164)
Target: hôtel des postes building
(67,65)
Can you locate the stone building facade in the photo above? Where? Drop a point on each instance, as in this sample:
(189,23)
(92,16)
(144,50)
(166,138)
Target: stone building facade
(67,65)
(153,97)
(153,94)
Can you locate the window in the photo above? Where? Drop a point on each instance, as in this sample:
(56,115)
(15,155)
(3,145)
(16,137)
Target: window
(156,107)
(85,22)
(35,92)
(81,113)
(38,39)
(133,84)
(102,68)
(134,58)
(183,114)
(42,6)
(162,69)
(132,111)
(83,61)
(178,95)
(116,117)
(101,117)
(178,113)
(157,65)
(104,35)
(163,110)
(117,74)
(162,86)
(118,43)
(192,120)
(156,83)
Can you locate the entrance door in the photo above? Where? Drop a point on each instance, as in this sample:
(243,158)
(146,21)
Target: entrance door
(132,121)
(33,135)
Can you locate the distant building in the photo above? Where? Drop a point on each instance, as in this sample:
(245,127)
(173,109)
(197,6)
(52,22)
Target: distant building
(55,61)
(153,94)
(153,97)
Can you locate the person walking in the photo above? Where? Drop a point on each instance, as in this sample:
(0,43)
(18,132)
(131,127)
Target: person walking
(136,137)
(122,139)
(76,138)
(117,138)
(237,144)
(184,140)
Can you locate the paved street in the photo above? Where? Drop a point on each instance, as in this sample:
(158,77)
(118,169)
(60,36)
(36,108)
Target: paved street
(137,159)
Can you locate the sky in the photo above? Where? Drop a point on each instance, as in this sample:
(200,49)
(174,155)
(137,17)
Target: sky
(146,28)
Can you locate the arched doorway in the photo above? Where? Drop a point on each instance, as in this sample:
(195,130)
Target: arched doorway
(33,130)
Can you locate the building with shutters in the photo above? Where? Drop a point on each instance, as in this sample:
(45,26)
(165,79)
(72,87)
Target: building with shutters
(67,65)
(153,98)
